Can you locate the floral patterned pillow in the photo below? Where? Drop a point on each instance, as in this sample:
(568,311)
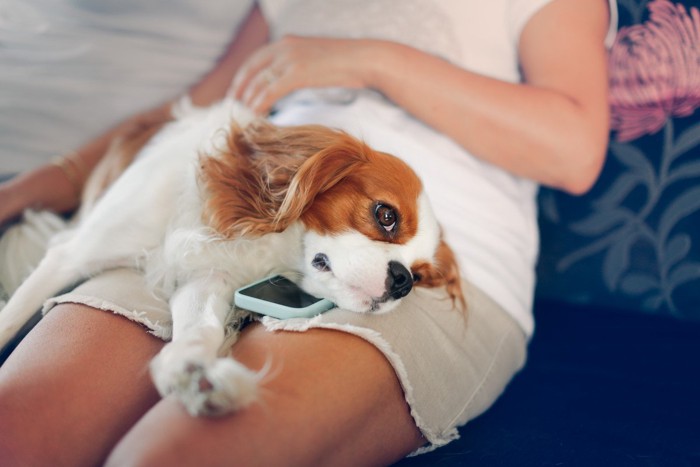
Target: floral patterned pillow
(633,242)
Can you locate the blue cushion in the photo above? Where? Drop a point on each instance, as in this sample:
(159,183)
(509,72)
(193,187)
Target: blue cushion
(633,242)
(601,388)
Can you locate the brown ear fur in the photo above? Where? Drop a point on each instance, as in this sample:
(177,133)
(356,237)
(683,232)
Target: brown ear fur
(266,176)
(319,173)
(444,272)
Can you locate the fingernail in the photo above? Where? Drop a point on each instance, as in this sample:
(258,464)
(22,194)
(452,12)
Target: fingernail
(234,88)
(247,97)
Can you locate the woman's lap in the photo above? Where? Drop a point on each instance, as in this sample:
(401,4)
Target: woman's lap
(308,412)
(450,368)
(79,384)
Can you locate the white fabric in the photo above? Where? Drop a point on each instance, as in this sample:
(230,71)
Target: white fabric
(489,216)
(23,245)
(70,69)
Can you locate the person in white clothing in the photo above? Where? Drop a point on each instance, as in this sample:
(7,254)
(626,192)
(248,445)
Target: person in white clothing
(486,100)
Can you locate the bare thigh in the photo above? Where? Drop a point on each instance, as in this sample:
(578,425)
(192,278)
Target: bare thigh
(74,387)
(79,383)
(330,398)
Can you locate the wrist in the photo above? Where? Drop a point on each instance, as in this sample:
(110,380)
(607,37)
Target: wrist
(73,170)
(384,64)
(47,187)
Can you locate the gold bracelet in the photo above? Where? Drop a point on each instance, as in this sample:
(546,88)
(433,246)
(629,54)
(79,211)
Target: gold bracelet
(72,169)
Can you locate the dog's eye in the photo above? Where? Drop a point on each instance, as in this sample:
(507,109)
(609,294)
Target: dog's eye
(386,216)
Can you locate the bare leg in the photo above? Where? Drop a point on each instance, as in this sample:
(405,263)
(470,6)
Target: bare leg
(330,399)
(73,387)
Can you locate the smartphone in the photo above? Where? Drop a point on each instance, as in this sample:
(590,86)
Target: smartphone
(280,298)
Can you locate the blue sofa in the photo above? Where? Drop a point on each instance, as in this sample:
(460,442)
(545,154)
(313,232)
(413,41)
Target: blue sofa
(613,376)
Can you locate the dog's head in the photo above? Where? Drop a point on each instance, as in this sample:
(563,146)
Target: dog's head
(370,234)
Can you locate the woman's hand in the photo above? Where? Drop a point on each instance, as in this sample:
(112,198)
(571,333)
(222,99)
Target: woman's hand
(293,63)
(557,122)
(46,187)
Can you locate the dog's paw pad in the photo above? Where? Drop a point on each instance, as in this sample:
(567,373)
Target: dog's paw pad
(171,376)
(205,385)
(219,388)
(196,374)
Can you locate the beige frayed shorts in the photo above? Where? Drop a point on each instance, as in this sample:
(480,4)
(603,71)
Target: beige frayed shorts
(451,368)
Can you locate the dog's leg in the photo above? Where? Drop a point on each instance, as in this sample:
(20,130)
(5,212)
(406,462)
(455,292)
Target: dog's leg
(188,366)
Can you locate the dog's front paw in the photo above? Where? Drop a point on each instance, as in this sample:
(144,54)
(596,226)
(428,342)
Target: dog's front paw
(219,388)
(208,389)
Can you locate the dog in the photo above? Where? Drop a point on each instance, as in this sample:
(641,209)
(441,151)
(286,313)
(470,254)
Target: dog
(219,199)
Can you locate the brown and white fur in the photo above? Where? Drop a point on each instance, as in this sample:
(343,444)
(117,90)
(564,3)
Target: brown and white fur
(214,202)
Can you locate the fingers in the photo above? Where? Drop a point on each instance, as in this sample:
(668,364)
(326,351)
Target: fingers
(247,72)
(273,72)
(254,76)
(266,87)
(293,63)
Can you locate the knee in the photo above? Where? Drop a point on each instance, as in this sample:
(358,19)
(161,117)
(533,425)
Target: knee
(142,453)
(155,440)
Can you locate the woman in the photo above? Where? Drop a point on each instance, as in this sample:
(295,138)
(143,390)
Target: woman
(438,84)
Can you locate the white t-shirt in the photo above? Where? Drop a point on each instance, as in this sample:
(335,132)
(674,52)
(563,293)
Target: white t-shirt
(489,216)
(70,69)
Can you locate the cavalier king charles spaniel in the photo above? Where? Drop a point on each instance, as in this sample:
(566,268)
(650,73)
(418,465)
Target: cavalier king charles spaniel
(218,199)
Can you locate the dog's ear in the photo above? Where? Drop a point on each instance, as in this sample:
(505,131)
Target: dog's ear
(266,176)
(318,174)
(443,272)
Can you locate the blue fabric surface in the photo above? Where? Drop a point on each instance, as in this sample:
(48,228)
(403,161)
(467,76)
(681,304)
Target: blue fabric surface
(601,388)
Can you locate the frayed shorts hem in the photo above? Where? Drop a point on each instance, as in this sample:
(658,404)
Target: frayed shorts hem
(451,367)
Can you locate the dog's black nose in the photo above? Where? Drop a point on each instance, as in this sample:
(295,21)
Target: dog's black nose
(399,281)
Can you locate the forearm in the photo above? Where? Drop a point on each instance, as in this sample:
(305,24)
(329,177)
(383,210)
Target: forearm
(58,184)
(553,128)
(531,131)
(44,187)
